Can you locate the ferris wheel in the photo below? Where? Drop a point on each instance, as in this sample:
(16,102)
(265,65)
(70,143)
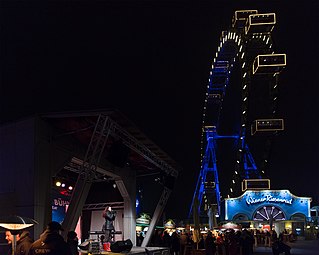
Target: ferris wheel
(240,110)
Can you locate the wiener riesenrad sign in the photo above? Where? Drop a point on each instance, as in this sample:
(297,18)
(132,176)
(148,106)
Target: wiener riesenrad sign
(254,202)
(268,198)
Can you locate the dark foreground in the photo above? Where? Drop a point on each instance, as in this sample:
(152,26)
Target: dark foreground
(300,247)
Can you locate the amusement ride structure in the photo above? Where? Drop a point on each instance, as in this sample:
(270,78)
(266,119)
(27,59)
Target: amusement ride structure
(240,112)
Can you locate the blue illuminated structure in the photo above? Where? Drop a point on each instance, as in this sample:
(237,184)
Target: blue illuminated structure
(266,205)
(248,38)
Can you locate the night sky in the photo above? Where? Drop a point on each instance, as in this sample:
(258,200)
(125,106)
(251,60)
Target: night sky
(151,60)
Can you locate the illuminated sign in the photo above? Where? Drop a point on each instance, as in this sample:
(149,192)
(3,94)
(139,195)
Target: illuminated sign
(259,204)
(60,202)
(268,198)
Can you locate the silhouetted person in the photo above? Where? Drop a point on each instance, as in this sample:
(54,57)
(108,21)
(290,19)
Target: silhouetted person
(139,239)
(278,247)
(183,241)
(246,242)
(220,244)
(175,244)
(166,239)
(50,242)
(72,241)
(210,246)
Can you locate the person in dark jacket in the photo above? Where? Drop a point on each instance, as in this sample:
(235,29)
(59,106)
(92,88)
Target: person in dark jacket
(279,247)
(210,245)
(175,244)
(50,242)
(108,226)
(246,242)
(24,242)
(72,241)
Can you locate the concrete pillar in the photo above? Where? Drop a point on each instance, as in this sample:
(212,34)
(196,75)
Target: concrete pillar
(49,159)
(127,188)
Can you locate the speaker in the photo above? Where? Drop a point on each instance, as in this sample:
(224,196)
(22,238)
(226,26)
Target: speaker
(122,246)
(85,245)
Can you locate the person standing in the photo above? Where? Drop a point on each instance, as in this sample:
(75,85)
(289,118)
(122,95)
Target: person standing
(246,242)
(175,244)
(24,242)
(183,241)
(210,245)
(220,242)
(108,226)
(72,241)
(50,242)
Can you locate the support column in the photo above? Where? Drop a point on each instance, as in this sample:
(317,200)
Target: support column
(49,159)
(127,188)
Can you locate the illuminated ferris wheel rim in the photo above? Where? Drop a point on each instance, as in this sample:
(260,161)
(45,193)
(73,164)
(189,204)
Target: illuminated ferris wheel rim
(235,37)
(248,42)
(238,40)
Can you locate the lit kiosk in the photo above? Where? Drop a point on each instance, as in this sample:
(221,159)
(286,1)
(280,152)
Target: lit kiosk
(260,207)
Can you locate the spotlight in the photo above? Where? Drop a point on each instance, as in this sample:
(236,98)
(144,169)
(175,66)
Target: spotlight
(58,184)
(70,188)
(114,186)
(63,185)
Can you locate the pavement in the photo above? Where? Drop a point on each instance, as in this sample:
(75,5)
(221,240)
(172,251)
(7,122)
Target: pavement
(300,247)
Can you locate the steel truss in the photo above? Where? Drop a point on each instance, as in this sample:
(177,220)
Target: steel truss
(88,170)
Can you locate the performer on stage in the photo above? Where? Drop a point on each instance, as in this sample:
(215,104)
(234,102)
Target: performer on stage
(108,226)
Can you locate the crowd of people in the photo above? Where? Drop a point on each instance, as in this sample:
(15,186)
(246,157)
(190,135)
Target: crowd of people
(228,242)
(50,242)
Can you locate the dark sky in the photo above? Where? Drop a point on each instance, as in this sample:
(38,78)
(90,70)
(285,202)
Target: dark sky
(151,60)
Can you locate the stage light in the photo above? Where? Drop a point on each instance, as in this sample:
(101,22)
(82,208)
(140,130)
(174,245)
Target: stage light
(58,184)
(114,185)
(63,185)
(70,188)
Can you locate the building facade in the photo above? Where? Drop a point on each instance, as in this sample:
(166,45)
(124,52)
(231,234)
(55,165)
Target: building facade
(274,209)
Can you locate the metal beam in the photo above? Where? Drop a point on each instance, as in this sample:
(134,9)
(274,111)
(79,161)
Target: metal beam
(157,213)
(131,142)
(87,174)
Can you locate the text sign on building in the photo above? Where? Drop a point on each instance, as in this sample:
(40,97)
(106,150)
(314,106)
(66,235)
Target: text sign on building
(253,201)
(268,198)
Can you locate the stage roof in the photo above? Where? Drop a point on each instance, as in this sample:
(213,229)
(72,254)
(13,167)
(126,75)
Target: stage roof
(132,147)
